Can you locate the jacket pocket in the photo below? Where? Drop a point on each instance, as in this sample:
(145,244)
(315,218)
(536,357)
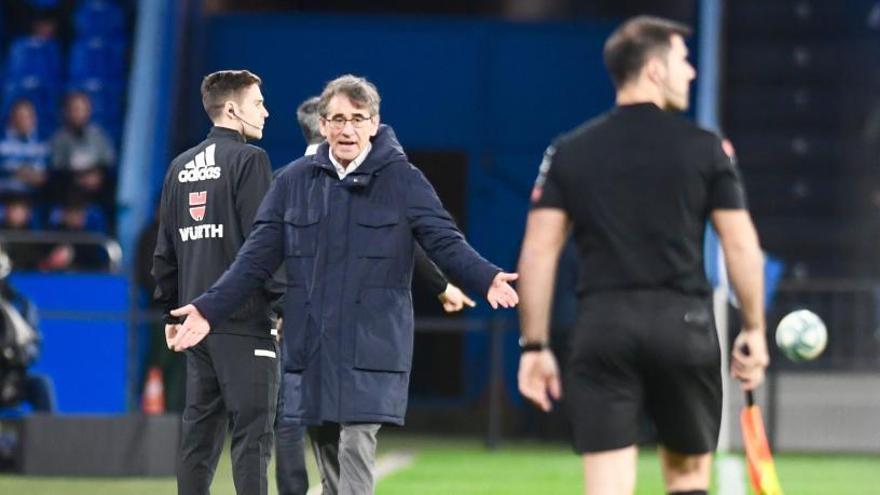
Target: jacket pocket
(299,330)
(291,398)
(301,231)
(376,232)
(384,330)
(300,243)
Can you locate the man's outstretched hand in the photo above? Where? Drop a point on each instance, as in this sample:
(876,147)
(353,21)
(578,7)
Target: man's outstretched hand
(193,329)
(501,293)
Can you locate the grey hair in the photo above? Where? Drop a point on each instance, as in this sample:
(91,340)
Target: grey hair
(307,115)
(361,92)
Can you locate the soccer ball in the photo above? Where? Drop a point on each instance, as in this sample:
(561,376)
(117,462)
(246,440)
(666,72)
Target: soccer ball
(801,335)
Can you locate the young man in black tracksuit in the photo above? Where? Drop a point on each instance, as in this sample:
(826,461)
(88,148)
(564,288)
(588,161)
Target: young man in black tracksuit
(210,196)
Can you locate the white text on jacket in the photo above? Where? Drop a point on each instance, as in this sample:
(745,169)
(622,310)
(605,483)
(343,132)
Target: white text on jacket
(207,231)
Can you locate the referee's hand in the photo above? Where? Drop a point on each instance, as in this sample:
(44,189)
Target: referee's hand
(193,329)
(749,358)
(539,378)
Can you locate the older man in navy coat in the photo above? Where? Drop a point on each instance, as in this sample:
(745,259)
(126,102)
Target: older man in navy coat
(344,221)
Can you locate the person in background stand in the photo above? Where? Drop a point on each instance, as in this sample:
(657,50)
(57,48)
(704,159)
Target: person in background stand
(82,154)
(23,156)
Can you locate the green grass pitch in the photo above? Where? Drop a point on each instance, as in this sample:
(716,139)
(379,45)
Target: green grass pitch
(463,467)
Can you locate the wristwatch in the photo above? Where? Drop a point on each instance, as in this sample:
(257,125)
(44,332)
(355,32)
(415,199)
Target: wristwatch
(525,346)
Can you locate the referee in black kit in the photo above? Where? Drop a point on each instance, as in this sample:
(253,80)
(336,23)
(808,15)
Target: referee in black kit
(636,187)
(210,196)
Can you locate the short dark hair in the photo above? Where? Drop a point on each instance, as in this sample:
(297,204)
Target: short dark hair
(630,45)
(220,86)
(307,115)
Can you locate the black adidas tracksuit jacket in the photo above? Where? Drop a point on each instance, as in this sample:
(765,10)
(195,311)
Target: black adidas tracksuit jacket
(209,199)
(210,196)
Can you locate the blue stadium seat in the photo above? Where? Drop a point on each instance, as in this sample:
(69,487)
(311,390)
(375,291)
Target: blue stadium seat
(99,18)
(97,58)
(34,61)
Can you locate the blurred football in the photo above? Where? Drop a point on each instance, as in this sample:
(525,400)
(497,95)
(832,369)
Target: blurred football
(801,335)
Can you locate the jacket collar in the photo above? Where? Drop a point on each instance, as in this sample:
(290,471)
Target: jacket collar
(226,133)
(386,150)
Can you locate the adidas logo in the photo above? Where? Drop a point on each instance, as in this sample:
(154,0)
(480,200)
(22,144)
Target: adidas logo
(201,168)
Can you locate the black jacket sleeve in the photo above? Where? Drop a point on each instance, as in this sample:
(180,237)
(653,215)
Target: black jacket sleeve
(165,260)
(256,262)
(428,272)
(253,183)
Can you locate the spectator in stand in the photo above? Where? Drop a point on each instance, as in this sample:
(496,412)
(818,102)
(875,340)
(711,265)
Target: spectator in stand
(18,215)
(23,156)
(76,215)
(18,211)
(82,154)
(30,12)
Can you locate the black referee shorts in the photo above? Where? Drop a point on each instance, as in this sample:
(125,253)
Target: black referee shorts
(649,352)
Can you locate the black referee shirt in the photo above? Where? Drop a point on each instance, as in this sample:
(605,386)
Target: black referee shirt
(638,184)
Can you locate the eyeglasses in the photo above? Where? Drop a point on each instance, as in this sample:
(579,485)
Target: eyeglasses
(337,123)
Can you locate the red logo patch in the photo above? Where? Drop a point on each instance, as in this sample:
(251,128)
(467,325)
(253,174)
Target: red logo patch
(197,205)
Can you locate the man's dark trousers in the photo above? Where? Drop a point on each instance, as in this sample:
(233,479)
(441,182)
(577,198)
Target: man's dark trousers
(232,381)
(290,462)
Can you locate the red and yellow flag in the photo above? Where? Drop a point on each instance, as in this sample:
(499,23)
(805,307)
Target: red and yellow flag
(762,470)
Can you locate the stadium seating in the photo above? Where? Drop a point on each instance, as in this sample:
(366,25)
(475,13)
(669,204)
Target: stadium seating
(97,58)
(34,72)
(35,58)
(799,79)
(99,18)
(96,63)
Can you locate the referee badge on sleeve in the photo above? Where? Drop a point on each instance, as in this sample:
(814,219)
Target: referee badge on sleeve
(538,189)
